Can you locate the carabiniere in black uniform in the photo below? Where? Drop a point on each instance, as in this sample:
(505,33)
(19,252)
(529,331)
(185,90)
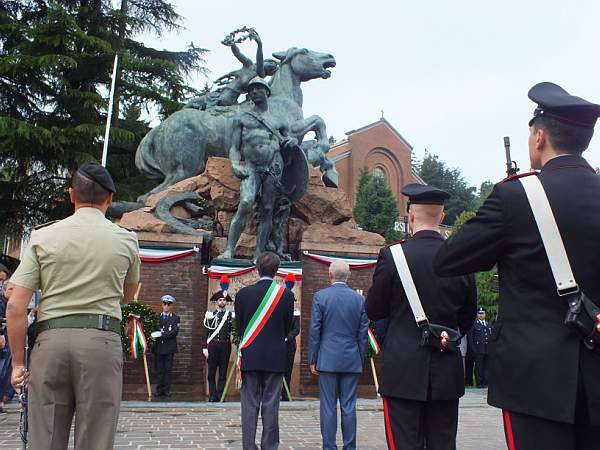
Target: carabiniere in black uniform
(219,350)
(540,373)
(420,386)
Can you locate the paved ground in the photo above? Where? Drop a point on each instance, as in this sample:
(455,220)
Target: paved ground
(206,426)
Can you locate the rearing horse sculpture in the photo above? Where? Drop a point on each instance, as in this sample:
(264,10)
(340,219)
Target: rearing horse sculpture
(179,147)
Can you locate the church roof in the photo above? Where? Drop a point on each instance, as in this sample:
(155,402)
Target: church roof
(377,123)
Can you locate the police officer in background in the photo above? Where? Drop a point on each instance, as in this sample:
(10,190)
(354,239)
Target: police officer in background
(218,344)
(480,336)
(420,385)
(540,373)
(166,345)
(84,265)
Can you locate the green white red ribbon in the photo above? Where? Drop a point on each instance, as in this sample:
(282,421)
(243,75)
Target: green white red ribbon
(258,320)
(137,341)
(373,341)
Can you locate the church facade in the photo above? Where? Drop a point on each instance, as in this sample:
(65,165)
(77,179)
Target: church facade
(383,151)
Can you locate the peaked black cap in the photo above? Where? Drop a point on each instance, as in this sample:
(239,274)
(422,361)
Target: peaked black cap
(556,103)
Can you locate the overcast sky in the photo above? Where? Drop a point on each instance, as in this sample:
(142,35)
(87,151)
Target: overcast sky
(451,76)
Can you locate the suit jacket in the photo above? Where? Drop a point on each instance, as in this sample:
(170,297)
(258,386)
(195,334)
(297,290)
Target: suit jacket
(480,337)
(268,352)
(338,330)
(409,370)
(169,325)
(536,363)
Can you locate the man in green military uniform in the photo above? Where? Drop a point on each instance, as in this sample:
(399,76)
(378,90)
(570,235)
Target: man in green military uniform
(85,266)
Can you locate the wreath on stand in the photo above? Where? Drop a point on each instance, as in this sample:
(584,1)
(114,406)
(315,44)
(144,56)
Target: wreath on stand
(235,335)
(370,352)
(149,320)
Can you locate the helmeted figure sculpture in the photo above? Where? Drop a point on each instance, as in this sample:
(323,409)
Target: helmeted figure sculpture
(179,147)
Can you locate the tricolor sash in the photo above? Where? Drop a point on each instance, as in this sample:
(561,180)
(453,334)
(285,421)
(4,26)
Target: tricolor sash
(259,320)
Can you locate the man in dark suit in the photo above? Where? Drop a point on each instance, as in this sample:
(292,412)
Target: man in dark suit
(264,353)
(540,372)
(337,349)
(480,335)
(421,386)
(166,346)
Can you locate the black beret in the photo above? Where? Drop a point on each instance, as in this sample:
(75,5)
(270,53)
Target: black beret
(556,103)
(422,194)
(481,309)
(99,174)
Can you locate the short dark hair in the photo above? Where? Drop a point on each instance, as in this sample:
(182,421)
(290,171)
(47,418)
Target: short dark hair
(569,138)
(267,264)
(88,191)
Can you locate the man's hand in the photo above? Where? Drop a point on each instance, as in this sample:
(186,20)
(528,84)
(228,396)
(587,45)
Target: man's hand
(205,352)
(288,142)
(2,342)
(313,370)
(239,170)
(18,378)
(598,322)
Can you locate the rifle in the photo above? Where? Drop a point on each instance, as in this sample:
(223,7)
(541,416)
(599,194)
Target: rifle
(511,166)
(23,420)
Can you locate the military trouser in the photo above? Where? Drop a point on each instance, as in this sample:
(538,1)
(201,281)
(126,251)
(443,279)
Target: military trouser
(218,358)
(75,372)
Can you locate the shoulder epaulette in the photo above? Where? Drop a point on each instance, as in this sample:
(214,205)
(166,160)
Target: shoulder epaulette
(43,225)
(402,241)
(519,175)
(124,227)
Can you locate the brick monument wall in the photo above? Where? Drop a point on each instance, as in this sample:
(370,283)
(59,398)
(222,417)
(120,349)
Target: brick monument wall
(183,279)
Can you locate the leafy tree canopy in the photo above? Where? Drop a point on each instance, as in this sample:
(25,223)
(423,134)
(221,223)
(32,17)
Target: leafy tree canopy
(56,61)
(375,209)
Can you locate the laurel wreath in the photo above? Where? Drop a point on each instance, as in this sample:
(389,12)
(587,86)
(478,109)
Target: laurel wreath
(238,36)
(149,318)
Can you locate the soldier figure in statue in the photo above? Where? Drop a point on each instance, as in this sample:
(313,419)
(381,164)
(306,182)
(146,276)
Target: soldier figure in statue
(261,137)
(235,83)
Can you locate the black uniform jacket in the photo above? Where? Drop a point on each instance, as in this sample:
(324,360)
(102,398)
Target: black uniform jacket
(225,330)
(167,343)
(480,337)
(409,370)
(535,361)
(268,352)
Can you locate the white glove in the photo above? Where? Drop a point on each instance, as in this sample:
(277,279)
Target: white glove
(209,315)
(205,352)
(156,334)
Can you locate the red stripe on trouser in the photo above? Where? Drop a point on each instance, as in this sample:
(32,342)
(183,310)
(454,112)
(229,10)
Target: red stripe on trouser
(508,430)
(388,425)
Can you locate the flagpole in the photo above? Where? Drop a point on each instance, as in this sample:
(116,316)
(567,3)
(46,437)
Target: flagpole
(109,114)
(146,372)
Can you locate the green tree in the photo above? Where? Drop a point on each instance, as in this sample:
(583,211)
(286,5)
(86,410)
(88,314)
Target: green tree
(484,192)
(435,172)
(375,209)
(56,60)
(487,282)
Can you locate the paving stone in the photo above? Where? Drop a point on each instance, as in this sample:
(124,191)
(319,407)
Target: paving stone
(204,426)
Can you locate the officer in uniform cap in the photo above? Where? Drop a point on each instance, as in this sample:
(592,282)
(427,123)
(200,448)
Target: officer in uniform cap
(166,345)
(479,338)
(84,266)
(218,340)
(420,386)
(540,372)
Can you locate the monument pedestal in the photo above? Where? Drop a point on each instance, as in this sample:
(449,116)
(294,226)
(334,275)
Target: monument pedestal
(182,278)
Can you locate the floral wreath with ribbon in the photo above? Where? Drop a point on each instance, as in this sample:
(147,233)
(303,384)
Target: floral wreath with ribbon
(139,320)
